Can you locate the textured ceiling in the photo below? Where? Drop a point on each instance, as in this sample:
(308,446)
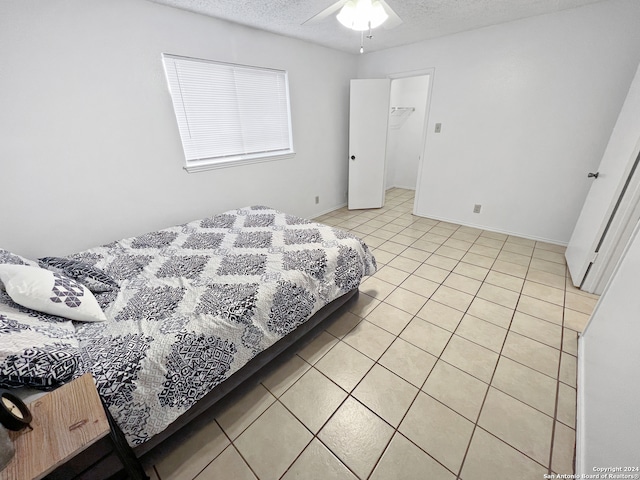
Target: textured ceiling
(422,19)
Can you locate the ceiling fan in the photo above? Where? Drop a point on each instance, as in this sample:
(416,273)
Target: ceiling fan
(359,15)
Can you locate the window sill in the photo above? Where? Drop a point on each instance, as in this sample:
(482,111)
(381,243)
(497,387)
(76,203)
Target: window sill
(202,165)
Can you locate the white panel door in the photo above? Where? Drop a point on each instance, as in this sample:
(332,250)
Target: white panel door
(368,121)
(614,170)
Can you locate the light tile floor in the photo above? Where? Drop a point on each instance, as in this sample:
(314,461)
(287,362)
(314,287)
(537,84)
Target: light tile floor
(457,361)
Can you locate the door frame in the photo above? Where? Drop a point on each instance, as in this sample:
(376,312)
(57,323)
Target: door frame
(423,144)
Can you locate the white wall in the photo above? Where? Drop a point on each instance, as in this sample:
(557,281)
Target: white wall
(404,142)
(89,148)
(526,109)
(608,426)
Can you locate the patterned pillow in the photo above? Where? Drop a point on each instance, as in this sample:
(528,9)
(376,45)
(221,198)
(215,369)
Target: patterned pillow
(6,257)
(36,350)
(91,277)
(50,292)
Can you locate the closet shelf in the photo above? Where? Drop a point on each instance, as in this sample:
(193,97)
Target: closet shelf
(399,115)
(401,110)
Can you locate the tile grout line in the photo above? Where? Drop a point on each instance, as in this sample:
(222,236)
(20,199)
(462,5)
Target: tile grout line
(531,257)
(476,426)
(420,389)
(529,268)
(398,212)
(349,395)
(520,292)
(557,402)
(475,296)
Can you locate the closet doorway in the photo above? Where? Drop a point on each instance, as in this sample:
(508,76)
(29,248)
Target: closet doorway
(409,107)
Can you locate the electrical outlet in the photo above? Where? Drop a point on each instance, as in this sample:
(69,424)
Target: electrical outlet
(438,127)
(317,200)
(477,208)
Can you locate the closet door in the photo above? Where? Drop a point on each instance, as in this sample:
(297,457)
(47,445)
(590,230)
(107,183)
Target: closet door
(606,204)
(368,121)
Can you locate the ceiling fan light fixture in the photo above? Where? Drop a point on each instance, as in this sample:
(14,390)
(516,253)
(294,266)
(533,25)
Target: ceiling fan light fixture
(361,15)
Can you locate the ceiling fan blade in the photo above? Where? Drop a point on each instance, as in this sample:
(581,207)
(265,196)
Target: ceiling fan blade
(325,13)
(394,20)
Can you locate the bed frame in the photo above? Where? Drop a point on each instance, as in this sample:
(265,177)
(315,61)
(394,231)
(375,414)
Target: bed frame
(100,461)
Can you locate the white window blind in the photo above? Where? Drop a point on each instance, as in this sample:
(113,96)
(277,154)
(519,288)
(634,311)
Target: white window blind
(229,113)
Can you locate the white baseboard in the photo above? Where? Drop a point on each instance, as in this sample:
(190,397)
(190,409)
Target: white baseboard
(580,441)
(328,210)
(490,229)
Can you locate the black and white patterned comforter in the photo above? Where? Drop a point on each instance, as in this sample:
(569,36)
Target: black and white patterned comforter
(197,301)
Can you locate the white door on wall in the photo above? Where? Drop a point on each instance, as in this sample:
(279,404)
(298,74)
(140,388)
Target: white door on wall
(368,120)
(606,204)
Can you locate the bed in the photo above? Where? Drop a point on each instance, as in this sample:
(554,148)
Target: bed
(192,312)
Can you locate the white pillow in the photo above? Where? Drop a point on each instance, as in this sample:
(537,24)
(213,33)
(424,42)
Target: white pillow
(50,292)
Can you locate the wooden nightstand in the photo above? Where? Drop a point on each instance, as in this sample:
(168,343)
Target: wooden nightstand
(65,422)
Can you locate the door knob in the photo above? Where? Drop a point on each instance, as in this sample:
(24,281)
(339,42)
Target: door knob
(353,157)
(593,175)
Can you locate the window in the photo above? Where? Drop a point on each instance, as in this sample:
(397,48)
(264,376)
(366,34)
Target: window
(229,114)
